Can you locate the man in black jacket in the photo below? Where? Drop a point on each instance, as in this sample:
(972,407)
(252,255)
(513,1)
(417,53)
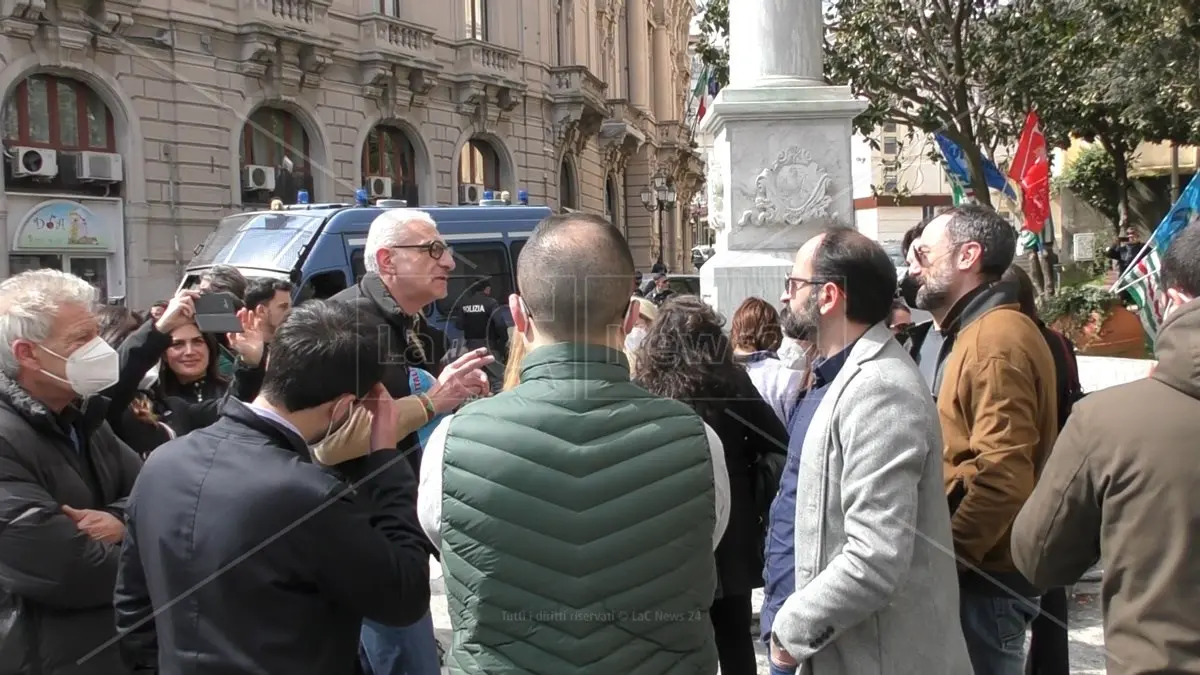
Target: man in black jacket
(64,478)
(242,555)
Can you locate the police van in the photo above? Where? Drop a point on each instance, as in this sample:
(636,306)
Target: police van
(319,247)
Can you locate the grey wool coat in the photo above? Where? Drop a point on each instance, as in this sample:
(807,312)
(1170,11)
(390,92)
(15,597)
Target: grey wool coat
(876,582)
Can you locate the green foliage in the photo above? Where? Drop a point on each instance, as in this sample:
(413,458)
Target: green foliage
(918,63)
(713,46)
(1093,178)
(1073,307)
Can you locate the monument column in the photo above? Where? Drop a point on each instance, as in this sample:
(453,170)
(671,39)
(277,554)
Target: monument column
(777,141)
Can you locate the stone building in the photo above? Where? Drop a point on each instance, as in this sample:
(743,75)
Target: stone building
(131,126)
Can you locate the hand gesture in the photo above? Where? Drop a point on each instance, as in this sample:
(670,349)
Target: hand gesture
(249,343)
(461,380)
(98,525)
(385,431)
(180,311)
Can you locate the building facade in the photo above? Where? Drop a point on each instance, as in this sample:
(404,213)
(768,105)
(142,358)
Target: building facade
(132,126)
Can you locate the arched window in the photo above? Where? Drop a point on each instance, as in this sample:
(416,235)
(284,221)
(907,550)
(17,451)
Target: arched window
(567,196)
(271,134)
(479,164)
(389,153)
(267,137)
(49,111)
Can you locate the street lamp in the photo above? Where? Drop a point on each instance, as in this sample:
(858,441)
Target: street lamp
(659,196)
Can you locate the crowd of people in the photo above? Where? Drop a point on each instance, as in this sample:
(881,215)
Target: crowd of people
(604,487)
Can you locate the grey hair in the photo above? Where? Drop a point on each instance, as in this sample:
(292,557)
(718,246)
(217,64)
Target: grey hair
(984,226)
(29,303)
(388,229)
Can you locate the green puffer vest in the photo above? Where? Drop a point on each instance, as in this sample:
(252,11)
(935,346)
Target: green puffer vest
(577,522)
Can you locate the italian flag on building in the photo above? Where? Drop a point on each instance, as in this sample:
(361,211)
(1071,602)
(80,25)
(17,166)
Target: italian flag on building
(705,91)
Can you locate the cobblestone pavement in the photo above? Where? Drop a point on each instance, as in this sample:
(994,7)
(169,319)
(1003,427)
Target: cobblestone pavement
(1085,625)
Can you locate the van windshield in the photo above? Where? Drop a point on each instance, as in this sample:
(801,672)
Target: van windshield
(271,241)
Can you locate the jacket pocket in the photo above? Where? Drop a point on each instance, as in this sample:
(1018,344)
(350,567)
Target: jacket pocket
(958,491)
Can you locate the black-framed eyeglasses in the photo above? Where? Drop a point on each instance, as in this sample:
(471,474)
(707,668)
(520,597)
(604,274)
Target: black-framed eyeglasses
(791,283)
(435,249)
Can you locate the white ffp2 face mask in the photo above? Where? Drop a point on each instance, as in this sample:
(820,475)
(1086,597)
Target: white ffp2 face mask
(91,369)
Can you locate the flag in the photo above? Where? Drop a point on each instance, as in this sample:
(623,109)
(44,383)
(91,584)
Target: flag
(707,91)
(1142,279)
(956,168)
(961,194)
(1030,169)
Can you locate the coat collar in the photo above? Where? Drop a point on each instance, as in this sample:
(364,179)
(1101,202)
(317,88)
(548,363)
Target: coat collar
(241,413)
(575,361)
(37,414)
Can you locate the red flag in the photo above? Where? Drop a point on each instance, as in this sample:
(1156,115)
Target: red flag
(1031,169)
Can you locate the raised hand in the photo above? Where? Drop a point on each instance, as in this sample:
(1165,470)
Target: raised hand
(249,343)
(180,311)
(385,432)
(461,380)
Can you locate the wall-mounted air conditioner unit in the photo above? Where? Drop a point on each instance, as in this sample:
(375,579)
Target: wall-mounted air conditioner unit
(99,167)
(380,187)
(470,193)
(33,162)
(258,177)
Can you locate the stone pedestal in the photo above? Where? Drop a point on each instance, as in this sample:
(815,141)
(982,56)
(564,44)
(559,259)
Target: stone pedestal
(778,150)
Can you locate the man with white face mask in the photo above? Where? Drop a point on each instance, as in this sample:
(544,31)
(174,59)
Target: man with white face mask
(283,558)
(63,479)
(1121,487)
(577,499)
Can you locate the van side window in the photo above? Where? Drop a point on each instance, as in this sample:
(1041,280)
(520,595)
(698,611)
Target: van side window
(514,251)
(322,286)
(357,264)
(473,261)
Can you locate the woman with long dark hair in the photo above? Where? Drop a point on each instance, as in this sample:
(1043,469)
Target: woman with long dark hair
(757,336)
(686,356)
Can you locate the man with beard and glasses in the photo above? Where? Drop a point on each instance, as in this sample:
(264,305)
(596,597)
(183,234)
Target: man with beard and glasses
(243,556)
(863,478)
(994,380)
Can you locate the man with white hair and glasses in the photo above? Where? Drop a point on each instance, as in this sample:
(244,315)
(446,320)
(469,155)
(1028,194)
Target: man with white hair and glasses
(64,477)
(408,266)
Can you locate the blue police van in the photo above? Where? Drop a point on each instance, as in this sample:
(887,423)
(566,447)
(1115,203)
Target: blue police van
(319,247)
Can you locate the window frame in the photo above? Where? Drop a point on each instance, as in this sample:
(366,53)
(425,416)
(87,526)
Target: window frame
(503,281)
(291,124)
(83,97)
(477,19)
(404,185)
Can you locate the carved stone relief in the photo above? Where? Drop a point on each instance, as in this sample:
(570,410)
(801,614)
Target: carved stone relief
(716,192)
(793,190)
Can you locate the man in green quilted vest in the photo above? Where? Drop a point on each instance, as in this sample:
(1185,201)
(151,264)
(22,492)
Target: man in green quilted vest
(577,513)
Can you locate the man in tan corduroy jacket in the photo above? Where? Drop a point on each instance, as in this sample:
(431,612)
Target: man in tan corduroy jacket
(993,377)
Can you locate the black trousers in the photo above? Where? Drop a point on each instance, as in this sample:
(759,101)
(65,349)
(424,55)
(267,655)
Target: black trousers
(1048,646)
(731,619)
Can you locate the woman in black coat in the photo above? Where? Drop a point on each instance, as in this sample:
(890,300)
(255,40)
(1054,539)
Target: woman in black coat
(686,356)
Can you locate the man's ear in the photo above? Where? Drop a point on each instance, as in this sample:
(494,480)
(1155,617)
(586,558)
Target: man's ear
(519,314)
(1178,297)
(381,257)
(631,316)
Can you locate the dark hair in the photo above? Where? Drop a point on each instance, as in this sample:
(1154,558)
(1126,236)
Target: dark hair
(1181,264)
(897,306)
(261,290)
(861,268)
(686,356)
(116,323)
(576,275)
(911,235)
(1026,295)
(755,326)
(984,226)
(322,351)
(225,279)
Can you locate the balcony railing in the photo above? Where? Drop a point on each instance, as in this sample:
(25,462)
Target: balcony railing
(482,58)
(389,36)
(307,16)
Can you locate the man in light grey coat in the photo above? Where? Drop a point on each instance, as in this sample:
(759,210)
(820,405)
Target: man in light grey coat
(875,588)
